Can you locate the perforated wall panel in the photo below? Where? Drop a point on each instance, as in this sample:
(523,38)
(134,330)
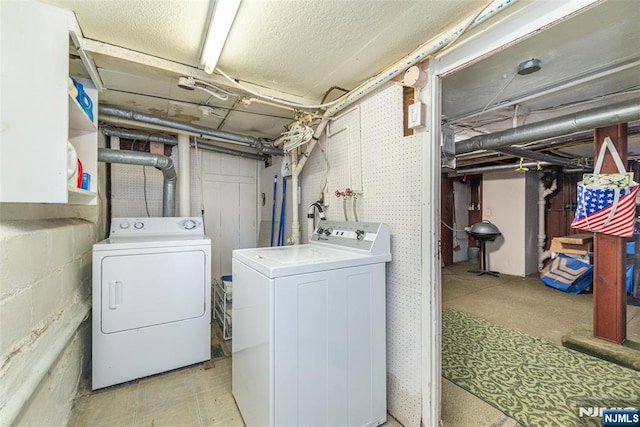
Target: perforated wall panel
(131,191)
(366,150)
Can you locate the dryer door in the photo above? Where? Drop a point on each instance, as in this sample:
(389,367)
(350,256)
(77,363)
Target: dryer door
(141,290)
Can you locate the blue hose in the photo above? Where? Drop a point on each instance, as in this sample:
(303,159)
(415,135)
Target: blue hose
(273,208)
(282,209)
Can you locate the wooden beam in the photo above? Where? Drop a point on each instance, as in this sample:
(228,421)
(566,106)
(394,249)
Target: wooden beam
(609,263)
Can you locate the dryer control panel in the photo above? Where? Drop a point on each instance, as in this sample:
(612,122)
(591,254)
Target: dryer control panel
(365,236)
(134,228)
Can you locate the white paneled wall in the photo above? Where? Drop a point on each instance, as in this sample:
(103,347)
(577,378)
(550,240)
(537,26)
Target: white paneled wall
(230,187)
(366,150)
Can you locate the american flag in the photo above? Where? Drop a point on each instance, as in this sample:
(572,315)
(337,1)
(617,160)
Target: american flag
(595,206)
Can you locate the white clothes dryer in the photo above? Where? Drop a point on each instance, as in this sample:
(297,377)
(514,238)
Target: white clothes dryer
(151,298)
(309,329)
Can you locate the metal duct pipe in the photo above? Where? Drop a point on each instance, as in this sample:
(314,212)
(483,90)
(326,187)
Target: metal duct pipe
(171,140)
(543,157)
(201,130)
(159,161)
(622,112)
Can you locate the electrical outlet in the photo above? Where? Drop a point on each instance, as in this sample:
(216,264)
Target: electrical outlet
(416,115)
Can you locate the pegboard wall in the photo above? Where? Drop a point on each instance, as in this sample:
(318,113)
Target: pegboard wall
(366,151)
(135,189)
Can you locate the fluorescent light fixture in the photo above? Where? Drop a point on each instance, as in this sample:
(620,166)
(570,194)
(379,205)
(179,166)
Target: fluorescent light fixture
(219,27)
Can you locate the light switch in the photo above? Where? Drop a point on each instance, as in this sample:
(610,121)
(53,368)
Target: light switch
(416,115)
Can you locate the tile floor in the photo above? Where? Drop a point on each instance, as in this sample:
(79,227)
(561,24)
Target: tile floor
(190,397)
(195,396)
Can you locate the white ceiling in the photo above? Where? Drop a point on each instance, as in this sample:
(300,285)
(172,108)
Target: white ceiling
(299,49)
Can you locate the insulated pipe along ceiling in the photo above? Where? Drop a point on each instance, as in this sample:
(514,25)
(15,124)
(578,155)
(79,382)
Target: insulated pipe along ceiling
(622,112)
(483,169)
(543,157)
(179,126)
(171,140)
(159,161)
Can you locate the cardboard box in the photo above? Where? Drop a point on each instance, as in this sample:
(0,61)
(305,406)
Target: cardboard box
(577,244)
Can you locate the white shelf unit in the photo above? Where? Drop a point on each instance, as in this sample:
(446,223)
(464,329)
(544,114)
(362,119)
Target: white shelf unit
(83,135)
(38,116)
(222,304)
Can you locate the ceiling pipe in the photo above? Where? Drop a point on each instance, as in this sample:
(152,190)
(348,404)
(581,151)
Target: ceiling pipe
(171,140)
(543,157)
(186,127)
(622,112)
(159,161)
(513,167)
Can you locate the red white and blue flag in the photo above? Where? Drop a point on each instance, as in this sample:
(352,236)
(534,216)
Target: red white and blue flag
(598,211)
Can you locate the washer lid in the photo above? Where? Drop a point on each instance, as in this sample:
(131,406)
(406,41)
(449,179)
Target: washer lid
(283,261)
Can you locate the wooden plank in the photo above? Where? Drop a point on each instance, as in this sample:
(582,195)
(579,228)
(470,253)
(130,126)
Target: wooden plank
(609,270)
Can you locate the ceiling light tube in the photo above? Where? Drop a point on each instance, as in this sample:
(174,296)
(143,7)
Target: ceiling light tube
(219,27)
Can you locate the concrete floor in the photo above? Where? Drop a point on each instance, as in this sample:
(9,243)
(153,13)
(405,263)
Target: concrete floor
(523,304)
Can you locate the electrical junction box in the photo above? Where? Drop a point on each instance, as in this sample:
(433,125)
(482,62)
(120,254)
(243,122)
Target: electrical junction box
(416,115)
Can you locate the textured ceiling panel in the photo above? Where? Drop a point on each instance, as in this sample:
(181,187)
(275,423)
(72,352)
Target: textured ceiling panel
(305,47)
(169,29)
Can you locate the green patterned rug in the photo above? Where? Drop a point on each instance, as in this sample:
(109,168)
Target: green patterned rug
(534,381)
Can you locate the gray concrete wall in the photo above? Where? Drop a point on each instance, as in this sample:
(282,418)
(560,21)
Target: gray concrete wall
(45,282)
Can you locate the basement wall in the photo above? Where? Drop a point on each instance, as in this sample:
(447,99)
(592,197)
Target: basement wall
(45,282)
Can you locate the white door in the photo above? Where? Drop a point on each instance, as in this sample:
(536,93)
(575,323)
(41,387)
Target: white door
(141,290)
(230,217)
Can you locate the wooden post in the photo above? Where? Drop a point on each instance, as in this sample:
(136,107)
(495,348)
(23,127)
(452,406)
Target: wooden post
(609,262)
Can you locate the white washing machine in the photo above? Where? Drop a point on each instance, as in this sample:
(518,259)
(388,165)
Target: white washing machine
(309,335)
(151,298)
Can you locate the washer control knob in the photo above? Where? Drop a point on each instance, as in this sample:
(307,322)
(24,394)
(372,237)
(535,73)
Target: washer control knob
(320,230)
(138,225)
(328,231)
(124,225)
(360,234)
(189,224)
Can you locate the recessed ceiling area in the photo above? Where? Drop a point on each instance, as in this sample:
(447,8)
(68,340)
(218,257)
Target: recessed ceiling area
(587,61)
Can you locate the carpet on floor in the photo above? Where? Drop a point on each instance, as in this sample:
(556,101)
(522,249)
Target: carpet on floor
(534,381)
